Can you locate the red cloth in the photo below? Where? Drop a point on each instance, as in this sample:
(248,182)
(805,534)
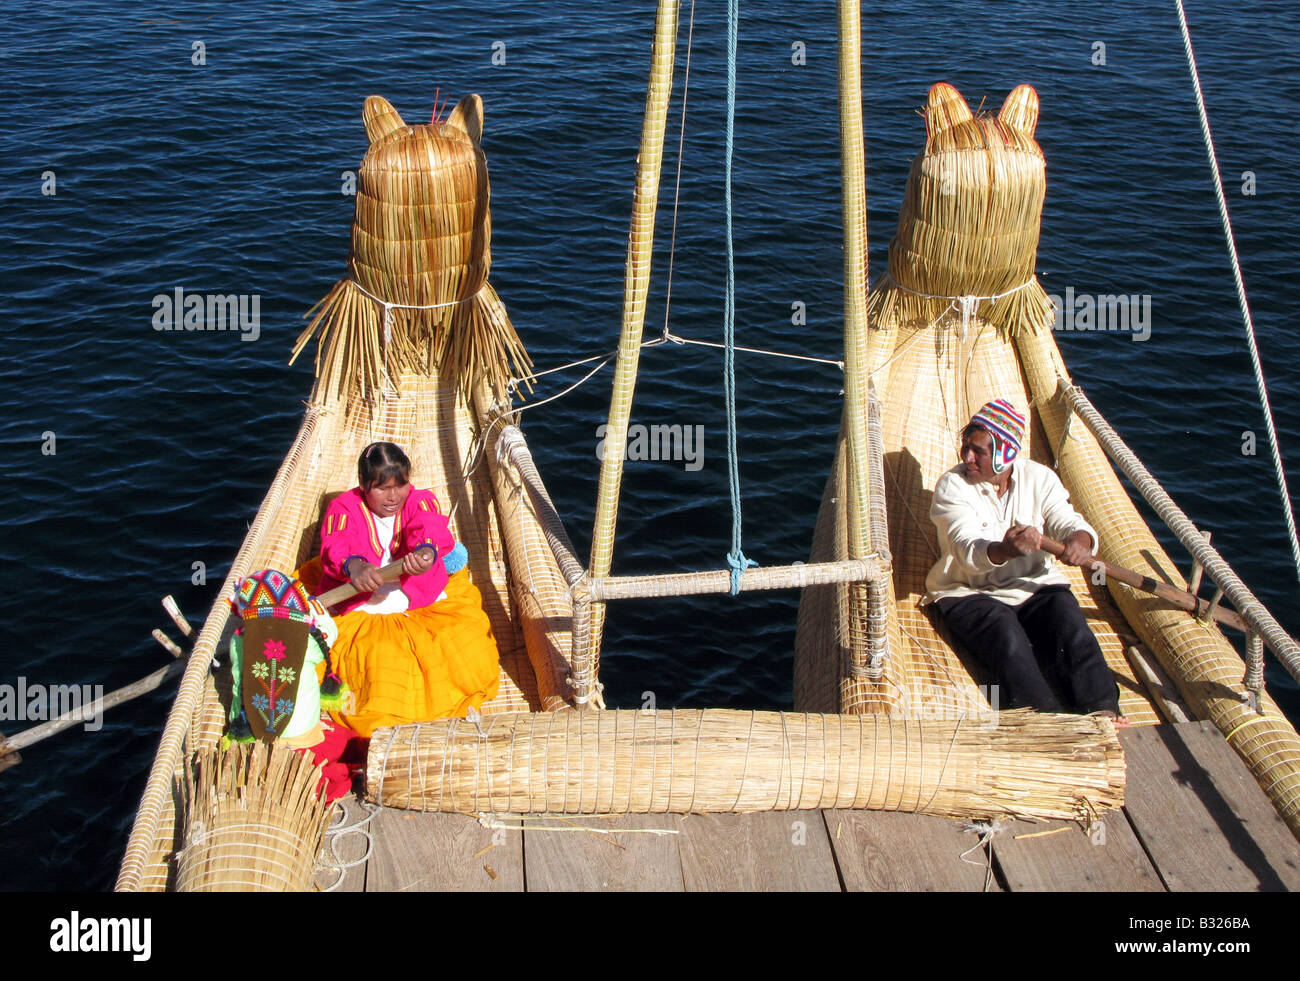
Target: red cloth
(340,752)
(349,530)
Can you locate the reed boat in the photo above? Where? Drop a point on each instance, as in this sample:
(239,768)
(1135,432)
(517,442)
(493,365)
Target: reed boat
(415,347)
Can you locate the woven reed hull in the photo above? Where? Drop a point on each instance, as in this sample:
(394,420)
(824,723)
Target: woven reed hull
(929,392)
(688,761)
(1207,669)
(432,422)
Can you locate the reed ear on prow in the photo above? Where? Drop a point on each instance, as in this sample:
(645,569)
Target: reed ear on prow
(944,109)
(467,118)
(1020,110)
(382,121)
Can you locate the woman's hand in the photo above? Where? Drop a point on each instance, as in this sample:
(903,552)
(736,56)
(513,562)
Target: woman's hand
(419,561)
(363,575)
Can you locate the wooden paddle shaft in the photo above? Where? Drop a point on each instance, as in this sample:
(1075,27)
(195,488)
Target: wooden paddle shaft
(339,593)
(1180,598)
(27,737)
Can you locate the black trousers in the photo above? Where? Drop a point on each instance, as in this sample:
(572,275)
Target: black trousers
(1034,650)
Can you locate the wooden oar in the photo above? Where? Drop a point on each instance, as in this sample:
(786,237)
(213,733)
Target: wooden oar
(87,712)
(10,745)
(1181,599)
(339,593)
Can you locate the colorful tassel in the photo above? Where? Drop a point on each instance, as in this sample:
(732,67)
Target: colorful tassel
(333,693)
(237,731)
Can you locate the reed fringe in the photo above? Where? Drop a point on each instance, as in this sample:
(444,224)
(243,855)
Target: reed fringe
(253,821)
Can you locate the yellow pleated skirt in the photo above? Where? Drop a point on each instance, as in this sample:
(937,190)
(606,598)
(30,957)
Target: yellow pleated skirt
(433,663)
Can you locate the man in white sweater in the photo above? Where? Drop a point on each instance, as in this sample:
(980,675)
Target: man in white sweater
(1003,598)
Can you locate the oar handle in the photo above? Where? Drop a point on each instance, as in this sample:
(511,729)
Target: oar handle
(339,593)
(1180,598)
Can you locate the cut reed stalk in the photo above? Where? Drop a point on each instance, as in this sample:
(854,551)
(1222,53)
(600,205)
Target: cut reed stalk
(253,821)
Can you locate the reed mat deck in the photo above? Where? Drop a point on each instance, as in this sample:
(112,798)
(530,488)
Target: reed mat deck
(1194,820)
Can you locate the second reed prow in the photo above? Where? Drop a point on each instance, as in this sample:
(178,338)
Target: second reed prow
(970,219)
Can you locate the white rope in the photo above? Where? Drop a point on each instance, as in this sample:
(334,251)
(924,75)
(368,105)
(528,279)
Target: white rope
(329,860)
(388,387)
(526,822)
(681,154)
(411,306)
(916,335)
(581,381)
(1241,290)
(986,831)
(962,298)
(669,336)
(513,384)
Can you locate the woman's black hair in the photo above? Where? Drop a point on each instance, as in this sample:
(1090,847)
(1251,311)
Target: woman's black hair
(380,463)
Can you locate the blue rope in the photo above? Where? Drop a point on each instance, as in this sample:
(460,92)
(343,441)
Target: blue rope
(735,558)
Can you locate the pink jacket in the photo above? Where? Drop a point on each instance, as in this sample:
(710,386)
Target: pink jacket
(349,531)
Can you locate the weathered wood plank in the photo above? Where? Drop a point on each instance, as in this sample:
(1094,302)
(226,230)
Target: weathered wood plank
(603,860)
(1106,858)
(769,851)
(888,851)
(1203,831)
(1259,818)
(443,853)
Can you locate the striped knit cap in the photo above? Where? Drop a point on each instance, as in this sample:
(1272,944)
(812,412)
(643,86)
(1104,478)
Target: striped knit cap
(1006,426)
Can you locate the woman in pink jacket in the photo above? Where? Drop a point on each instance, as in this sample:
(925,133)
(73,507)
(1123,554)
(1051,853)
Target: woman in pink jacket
(382,519)
(419,647)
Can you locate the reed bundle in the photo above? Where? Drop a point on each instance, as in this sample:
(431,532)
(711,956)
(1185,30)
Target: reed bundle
(689,761)
(969,223)
(417,295)
(253,821)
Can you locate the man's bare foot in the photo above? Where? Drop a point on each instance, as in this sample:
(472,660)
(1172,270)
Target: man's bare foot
(1121,721)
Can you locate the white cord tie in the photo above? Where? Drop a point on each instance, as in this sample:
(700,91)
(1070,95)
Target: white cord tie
(388,387)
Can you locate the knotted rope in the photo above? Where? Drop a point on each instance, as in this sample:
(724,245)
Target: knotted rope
(736,557)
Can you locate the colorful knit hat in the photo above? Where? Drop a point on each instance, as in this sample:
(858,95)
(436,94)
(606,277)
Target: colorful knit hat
(280,619)
(1006,426)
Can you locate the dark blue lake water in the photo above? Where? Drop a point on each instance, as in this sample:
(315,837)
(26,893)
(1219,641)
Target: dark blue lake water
(227,177)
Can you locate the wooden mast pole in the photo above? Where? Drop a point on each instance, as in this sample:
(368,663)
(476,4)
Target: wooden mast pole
(636,283)
(853,183)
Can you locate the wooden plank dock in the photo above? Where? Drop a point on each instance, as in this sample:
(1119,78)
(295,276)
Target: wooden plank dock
(1194,820)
